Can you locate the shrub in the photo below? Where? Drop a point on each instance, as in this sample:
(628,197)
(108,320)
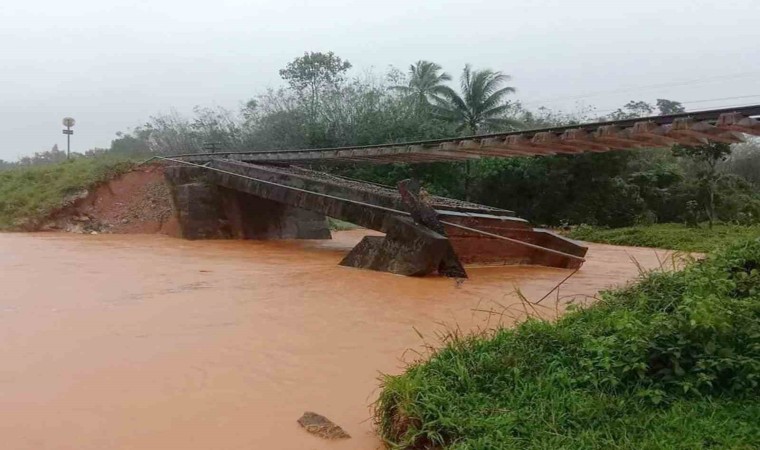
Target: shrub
(672,361)
(668,235)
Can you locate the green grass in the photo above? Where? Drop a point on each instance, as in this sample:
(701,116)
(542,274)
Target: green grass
(672,361)
(668,235)
(340,225)
(29,194)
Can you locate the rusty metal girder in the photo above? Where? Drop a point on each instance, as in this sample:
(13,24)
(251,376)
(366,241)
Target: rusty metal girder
(690,129)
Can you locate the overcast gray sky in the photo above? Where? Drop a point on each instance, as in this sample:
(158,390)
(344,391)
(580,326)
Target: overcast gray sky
(113,63)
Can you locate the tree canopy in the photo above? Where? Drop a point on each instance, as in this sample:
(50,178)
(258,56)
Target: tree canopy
(323,105)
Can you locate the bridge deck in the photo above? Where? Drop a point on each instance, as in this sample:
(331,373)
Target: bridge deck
(694,128)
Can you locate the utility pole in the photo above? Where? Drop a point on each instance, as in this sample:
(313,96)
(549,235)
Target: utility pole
(68,122)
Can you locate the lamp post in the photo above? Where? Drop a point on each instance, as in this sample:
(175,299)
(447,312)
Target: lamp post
(68,122)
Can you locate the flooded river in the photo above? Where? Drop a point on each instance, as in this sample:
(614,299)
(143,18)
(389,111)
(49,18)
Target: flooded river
(148,342)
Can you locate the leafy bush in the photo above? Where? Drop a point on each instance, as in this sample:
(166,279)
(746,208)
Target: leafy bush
(668,235)
(670,362)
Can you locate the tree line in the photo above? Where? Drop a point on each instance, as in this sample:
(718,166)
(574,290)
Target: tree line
(320,105)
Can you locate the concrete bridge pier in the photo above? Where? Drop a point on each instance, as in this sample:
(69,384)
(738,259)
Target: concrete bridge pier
(208,211)
(406,249)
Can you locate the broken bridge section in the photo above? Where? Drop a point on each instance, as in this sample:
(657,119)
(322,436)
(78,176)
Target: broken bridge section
(231,199)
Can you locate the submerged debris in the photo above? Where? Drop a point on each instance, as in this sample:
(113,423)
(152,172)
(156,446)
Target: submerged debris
(321,426)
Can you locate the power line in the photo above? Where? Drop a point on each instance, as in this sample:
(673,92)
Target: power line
(742,105)
(644,87)
(689,102)
(723,98)
(702,101)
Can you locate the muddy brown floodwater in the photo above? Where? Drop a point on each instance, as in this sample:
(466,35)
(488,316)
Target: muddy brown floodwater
(149,342)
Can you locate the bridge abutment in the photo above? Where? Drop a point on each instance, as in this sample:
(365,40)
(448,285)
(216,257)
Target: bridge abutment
(252,217)
(207,211)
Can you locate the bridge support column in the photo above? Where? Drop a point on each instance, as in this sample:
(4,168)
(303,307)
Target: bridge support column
(198,211)
(252,217)
(207,211)
(406,249)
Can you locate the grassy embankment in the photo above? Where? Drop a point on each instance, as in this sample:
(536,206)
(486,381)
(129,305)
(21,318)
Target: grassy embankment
(29,194)
(672,361)
(668,235)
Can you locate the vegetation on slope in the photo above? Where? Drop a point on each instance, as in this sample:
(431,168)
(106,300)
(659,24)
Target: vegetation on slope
(668,235)
(29,194)
(672,361)
(321,104)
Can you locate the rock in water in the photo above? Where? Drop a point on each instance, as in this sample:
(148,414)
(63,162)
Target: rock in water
(321,426)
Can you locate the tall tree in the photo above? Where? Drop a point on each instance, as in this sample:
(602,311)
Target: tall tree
(667,107)
(480,107)
(309,75)
(426,84)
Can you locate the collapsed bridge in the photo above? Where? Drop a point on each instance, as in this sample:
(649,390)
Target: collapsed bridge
(265,195)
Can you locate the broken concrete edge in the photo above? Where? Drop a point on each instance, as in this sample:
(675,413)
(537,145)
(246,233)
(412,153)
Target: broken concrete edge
(408,248)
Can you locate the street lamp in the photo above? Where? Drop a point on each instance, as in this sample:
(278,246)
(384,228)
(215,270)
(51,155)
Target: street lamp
(68,122)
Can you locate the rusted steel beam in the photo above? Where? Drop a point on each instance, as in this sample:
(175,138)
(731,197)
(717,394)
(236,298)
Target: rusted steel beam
(681,130)
(551,141)
(738,122)
(693,128)
(617,138)
(519,142)
(651,133)
(700,131)
(499,145)
(581,139)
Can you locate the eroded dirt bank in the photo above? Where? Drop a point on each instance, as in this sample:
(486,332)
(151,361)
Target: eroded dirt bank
(149,342)
(138,201)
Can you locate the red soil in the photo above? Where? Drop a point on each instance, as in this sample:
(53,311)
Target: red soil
(136,202)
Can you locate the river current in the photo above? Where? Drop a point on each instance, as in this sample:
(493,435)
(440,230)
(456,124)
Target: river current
(150,342)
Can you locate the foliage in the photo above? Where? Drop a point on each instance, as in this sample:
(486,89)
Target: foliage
(744,161)
(707,156)
(668,235)
(28,194)
(52,156)
(481,105)
(426,83)
(635,109)
(672,361)
(667,107)
(322,105)
(588,188)
(632,110)
(314,73)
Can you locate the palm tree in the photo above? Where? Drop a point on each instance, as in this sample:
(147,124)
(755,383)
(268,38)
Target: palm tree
(481,105)
(425,84)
